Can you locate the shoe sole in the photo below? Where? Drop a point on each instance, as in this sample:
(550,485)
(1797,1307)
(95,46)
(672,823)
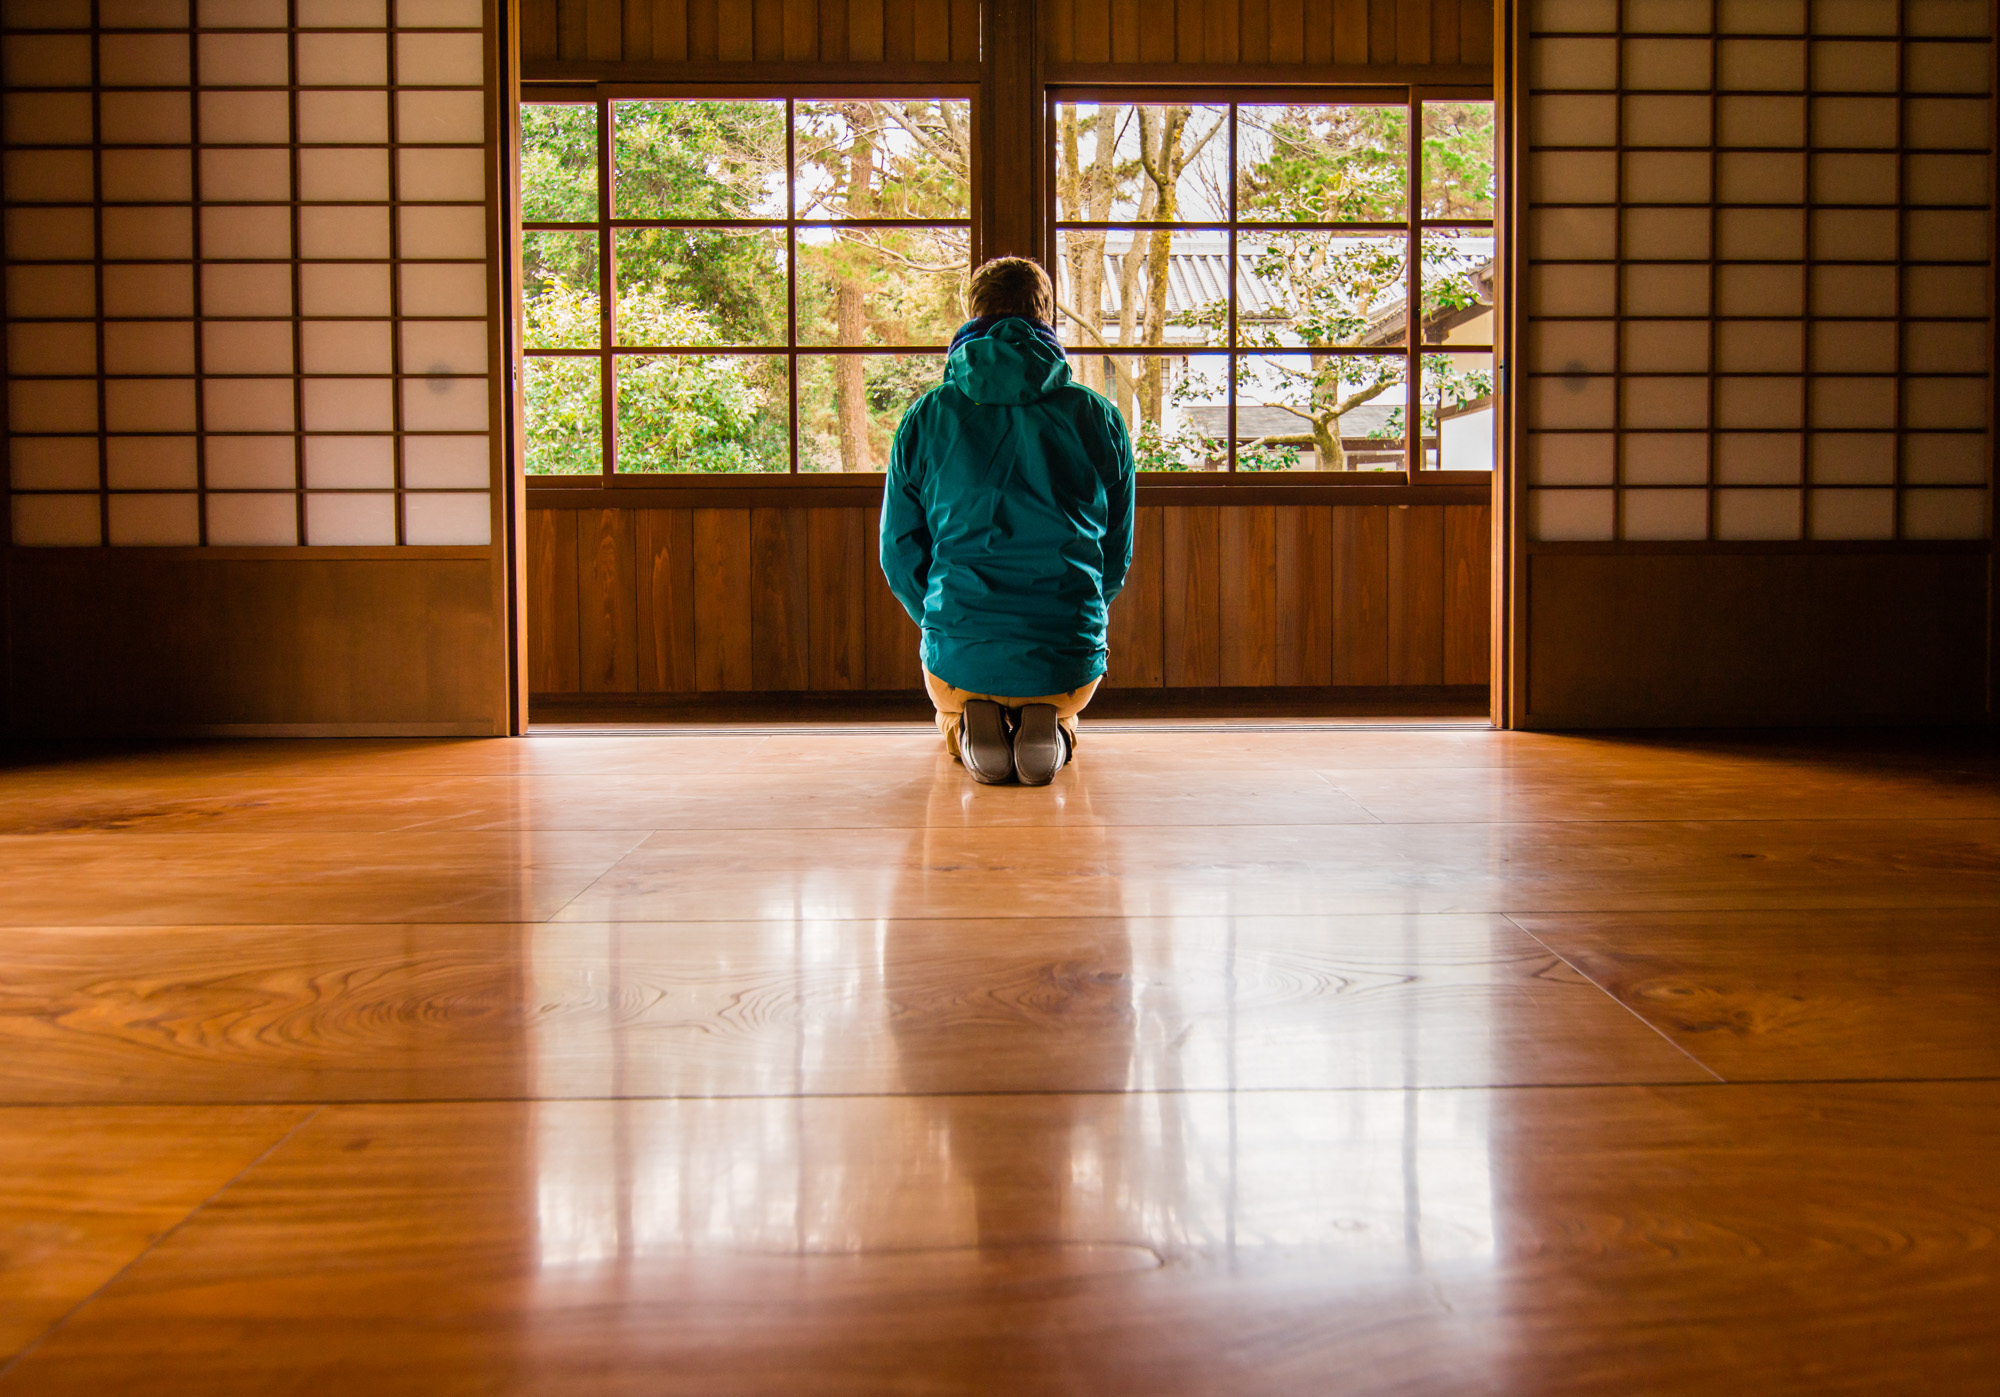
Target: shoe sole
(1038,745)
(983,744)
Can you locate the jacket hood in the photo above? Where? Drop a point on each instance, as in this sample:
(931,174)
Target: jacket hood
(1013,363)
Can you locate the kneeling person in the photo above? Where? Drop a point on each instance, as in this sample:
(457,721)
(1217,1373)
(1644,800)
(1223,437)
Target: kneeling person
(1007,531)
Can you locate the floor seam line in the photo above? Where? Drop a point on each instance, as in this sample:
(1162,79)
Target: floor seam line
(196,1211)
(1592,982)
(1606,1084)
(612,867)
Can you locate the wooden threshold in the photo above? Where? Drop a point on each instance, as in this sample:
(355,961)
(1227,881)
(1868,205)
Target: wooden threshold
(1453,701)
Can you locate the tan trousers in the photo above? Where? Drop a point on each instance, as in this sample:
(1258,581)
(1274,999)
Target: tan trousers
(950,701)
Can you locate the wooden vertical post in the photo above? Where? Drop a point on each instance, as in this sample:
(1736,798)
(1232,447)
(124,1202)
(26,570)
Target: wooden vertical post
(1012,176)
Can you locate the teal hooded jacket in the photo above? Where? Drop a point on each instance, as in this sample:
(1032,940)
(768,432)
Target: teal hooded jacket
(1007,516)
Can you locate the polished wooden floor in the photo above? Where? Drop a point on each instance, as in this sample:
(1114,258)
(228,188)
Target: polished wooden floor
(1289,1060)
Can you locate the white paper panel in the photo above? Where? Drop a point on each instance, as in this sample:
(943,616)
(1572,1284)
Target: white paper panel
(1557,516)
(56,521)
(350,519)
(156,521)
(439,519)
(1666,514)
(240,520)
(1758,514)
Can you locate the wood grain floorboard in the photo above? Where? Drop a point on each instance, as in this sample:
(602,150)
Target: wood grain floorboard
(1302,869)
(1545,1241)
(83,1192)
(1912,992)
(789,1061)
(926,789)
(1692,790)
(776,1008)
(121,878)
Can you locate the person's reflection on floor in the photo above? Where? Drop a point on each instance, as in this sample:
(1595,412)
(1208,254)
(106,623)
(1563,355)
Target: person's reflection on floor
(1012,1030)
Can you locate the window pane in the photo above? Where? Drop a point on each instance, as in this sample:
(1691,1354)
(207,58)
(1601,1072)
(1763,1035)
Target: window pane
(1105,283)
(1322,164)
(851,404)
(881,285)
(1458,160)
(565,410)
(1330,290)
(701,286)
(1328,412)
(1458,287)
(882,159)
(1146,163)
(1458,412)
(720,413)
(559,290)
(1175,406)
(558,163)
(695,159)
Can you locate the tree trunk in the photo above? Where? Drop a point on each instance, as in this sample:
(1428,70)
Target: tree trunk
(850,387)
(1164,169)
(1326,443)
(850,308)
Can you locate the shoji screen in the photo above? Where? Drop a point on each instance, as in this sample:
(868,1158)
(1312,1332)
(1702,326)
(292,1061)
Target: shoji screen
(1758,302)
(247,284)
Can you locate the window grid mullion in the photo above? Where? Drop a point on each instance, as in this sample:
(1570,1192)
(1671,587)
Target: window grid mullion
(607,290)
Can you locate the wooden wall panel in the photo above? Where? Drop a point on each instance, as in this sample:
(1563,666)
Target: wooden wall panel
(801,31)
(1247,638)
(839,544)
(1286,25)
(1350,31)
(665,548)
(965,31)
(1382,28)
(552,601)
(1699,640)
(1304,563)
(1475,31)
(1416,595)
(780,592)
(1361,595)
(607,601)
(783,599)
(156,641)
(1413,30)
(604,31)
(637,33)
(1193,610)
(723,628)
(893,638)
(540,30)
(670,31)
(1468,592)
(864,31)
(1190,28)
(1252,33)
(1137,636)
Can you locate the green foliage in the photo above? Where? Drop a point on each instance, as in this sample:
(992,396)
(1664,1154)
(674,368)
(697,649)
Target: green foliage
(698,160)
(1325,292)
(1458,160)
(891,385)
(1325,164)
(911,283)
(558,163)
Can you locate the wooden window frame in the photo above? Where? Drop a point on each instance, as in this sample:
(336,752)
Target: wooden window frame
(1413,225)
(701,487)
